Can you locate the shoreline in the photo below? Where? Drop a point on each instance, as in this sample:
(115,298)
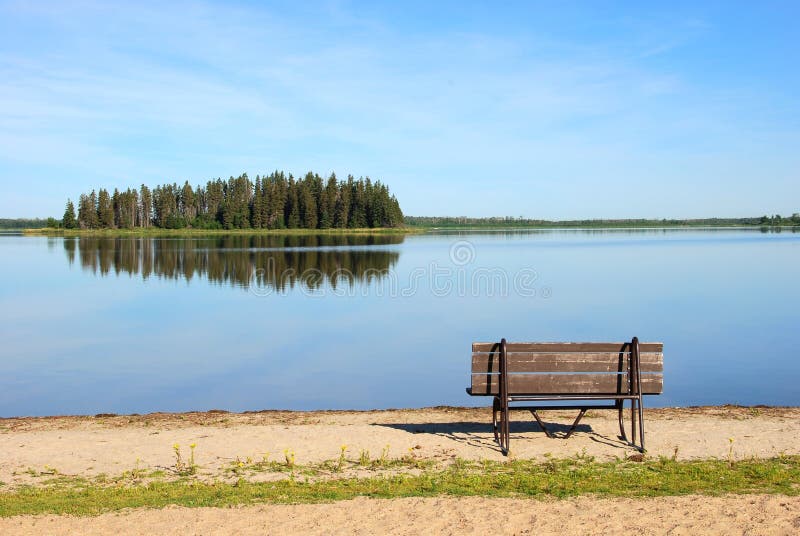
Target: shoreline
(407,230)
(168,233)
(282,413)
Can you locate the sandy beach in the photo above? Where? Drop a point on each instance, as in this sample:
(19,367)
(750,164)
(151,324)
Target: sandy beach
(751,515)
(90,446)
(107,445)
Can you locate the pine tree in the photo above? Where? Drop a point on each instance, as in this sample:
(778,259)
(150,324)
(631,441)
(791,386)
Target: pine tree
(308,206)
(228,211)
(187,202)
(105,209)
(292,209)
(257,206)
(68,221)
(341,214)
(327,209)
(325,217)
(90,210)
(263,215)
(358,215)
(129,203)
(84,211)
(199,195)
(115,208)
(317,188)
(146,207)
(239,197)
(275,192)
(371,216)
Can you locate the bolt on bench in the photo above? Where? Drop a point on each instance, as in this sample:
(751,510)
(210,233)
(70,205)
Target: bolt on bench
(582,373)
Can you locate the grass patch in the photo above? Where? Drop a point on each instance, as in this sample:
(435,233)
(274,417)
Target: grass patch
(521,478)
(248,466)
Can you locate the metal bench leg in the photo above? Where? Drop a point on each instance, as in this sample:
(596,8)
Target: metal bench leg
(495,409)
(500,418)
(622,434)
(636,388)
(637,412)
(507,431)
(541,424)
(575,424)
(641,424)
(504,432)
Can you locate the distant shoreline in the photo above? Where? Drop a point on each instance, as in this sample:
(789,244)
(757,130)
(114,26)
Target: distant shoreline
(408,230)
(611,228)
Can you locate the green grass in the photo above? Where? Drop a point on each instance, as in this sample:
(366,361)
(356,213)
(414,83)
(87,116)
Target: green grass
(522,478)
(159,232)
(248,466)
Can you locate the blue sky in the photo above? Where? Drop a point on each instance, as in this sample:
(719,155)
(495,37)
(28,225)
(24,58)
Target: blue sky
(537,109)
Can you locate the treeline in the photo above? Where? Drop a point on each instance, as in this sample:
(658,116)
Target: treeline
(777,220)
(510,222)
(25,223)
(275,201)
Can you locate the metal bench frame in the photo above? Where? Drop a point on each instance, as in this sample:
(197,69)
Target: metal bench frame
(502,401)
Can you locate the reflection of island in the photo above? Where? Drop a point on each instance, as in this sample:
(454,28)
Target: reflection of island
(275,262)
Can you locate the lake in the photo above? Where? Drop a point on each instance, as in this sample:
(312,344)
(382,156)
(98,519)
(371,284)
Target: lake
(134,325)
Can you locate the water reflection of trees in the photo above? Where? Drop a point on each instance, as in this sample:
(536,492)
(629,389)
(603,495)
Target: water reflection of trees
(275,262)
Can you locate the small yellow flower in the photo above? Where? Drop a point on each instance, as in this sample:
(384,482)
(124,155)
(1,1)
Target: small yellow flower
(176,446)
(193,445)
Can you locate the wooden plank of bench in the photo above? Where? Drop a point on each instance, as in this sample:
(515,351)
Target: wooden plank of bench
(536,384)
(483,363)
(566,347)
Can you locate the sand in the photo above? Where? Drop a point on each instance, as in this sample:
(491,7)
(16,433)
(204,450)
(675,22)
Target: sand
(89,446)
(33,448)
(751,515)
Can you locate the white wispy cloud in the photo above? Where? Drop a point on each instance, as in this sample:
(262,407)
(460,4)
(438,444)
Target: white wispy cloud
(116,94)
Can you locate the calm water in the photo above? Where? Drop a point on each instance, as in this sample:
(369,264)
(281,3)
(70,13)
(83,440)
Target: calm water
(97,325)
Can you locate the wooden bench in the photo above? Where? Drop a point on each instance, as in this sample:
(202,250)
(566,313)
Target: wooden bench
(581,373)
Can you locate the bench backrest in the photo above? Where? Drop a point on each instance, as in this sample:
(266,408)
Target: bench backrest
(556,368)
